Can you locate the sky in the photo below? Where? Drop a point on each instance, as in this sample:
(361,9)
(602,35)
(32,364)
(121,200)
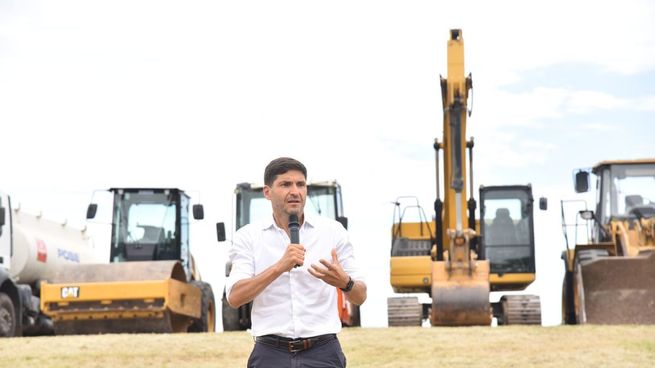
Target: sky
(202,95)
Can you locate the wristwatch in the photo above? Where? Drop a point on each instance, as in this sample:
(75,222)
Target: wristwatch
(349,285)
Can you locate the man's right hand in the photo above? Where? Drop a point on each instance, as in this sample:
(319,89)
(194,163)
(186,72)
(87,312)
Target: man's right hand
(293,255)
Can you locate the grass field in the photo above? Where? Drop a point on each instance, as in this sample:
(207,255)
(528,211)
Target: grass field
(519,346)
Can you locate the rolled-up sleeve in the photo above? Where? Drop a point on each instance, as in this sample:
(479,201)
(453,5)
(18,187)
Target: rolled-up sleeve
(346,255)
(241,258)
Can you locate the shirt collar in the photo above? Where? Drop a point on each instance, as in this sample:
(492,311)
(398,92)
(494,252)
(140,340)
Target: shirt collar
(310,220)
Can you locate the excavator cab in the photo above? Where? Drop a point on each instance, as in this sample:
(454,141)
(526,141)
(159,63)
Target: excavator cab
(507,235)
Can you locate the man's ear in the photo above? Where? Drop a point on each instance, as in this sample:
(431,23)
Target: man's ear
(267,192)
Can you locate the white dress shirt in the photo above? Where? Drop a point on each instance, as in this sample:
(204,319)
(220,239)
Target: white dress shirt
(296,304)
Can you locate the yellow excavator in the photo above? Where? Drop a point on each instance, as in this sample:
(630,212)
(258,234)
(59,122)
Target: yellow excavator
(151,283)
(610,279)
(455,259)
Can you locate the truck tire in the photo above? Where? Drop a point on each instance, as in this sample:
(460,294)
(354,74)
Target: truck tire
(207,320)
(7,317)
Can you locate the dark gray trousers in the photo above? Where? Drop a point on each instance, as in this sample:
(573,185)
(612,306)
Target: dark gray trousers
(325,354)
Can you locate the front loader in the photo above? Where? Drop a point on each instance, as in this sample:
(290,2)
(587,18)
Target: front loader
(151,283)
(610,279)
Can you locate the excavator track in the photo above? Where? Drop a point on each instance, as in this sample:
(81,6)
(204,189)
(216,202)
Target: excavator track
(520,310)
(404,311)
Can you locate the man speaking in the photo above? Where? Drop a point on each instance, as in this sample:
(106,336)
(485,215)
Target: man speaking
(292,283)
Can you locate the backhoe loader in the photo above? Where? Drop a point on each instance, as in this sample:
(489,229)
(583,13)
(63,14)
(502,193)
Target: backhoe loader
(455,259)
(611,278)
(150,284)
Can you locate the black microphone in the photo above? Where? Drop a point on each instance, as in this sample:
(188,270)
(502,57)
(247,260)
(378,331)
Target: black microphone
(294,230)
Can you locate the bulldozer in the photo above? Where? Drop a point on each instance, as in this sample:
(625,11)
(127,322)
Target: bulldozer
(610,279)
(324,199)
(151,283)
(454,258)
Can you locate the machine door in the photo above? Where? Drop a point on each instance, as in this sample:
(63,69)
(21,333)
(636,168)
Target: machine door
(507,229)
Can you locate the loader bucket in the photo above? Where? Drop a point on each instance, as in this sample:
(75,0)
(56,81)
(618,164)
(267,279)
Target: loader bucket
(460,300)
(617,290)
(121,297)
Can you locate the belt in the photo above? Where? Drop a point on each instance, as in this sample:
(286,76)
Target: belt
(294,345)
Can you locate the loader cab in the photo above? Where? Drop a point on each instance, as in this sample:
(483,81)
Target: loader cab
(624,190)
(150,225)
(507,235)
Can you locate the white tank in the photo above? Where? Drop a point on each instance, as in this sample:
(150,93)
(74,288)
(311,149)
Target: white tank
(40,246)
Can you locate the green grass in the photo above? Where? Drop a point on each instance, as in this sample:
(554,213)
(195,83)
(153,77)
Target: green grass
(516,346)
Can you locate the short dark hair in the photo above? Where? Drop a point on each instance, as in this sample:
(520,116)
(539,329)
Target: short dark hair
(280,166)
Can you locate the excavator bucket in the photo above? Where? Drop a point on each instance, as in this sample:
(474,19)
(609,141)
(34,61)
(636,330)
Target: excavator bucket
(616,290)
(121,298)
(460,299)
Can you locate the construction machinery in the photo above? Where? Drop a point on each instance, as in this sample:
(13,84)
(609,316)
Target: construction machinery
(610,279)
(151,283)
(32,249)
(324,199)
(454,258)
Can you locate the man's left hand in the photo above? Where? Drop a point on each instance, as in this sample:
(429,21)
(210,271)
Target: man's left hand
(332,272)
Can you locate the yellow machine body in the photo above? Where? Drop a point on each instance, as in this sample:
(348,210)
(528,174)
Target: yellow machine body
(457,279)
(121,297)
(151,283)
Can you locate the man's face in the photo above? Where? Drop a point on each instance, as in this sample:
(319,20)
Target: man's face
(288,193)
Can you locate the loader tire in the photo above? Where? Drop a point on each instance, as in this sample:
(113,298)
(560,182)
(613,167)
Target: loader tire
(230,317)
(8,323)
(207,320)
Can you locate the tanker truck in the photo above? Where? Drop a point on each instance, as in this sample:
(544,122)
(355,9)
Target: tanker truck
(32,249)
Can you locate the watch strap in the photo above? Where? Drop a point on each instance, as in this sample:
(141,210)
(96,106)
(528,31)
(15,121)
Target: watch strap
(349,285)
